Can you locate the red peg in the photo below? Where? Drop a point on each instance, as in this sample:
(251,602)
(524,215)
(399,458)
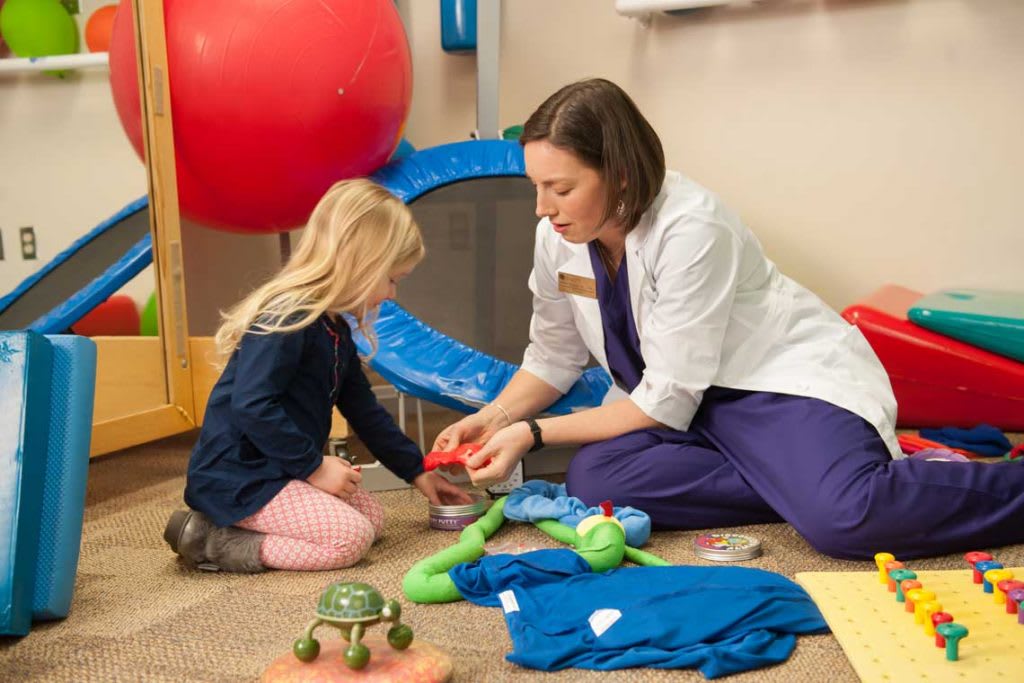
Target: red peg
(908,585)
(889,566)
(973,558)
(1007,586)
(941,618)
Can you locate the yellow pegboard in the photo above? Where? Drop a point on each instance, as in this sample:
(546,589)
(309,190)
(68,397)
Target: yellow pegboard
(884,644)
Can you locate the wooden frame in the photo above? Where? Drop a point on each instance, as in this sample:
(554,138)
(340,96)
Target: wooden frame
(149,388)
(133,405)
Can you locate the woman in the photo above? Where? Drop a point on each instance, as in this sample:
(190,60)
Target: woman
(739,397)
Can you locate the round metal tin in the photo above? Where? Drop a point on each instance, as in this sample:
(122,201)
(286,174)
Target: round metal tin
(725,546)
(457,517)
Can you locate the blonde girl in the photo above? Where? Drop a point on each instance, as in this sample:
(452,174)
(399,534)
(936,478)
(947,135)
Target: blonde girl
(260,492)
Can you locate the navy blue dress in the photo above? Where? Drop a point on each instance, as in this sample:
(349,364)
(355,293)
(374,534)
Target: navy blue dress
(269,416)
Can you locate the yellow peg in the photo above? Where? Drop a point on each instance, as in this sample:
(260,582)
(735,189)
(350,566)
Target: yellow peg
(927,610)
(922,598)
(880,560)
(994,576)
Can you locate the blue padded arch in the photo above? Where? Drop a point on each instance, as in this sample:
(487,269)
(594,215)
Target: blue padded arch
(418,359)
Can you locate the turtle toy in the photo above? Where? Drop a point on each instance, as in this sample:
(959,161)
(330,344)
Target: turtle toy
(350,608)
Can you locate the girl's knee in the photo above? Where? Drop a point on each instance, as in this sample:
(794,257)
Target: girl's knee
(351,543)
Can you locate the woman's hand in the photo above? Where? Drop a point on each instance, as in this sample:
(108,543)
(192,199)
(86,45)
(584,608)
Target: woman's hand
(476,428)
(336,476)
(440,491)
(505,449)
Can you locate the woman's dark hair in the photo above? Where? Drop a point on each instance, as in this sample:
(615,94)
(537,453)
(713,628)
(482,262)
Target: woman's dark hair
(599,123)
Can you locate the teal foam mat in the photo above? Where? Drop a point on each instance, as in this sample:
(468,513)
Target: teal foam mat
(991,320)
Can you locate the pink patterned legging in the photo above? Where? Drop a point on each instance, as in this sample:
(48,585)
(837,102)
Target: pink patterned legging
(309,530)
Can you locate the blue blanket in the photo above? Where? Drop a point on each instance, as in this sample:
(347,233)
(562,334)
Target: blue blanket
(721,620)
(536,500)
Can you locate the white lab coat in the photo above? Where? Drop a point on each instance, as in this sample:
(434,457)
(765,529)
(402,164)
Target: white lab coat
(710,310)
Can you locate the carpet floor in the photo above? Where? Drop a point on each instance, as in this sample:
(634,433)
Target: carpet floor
(139,615)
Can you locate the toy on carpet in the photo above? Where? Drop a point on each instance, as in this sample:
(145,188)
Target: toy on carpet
(457,456)
(421,662)
(603,547)
(350,608)
(944,608)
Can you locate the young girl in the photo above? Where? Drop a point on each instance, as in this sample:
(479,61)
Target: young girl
(261,492)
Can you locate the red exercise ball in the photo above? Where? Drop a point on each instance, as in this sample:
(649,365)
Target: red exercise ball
(272,104)
(118,316)
(99,28)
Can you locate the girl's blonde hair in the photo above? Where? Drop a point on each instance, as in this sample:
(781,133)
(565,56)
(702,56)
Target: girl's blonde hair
(358,233)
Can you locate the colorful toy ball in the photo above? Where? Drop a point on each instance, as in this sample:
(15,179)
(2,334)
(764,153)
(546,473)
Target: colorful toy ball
(277,102)
(38,28)
(99,28)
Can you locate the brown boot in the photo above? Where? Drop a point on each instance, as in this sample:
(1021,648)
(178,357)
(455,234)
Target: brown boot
(186,533)
(233,549)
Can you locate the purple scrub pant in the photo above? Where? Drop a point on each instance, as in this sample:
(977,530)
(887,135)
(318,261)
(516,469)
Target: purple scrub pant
(755,457)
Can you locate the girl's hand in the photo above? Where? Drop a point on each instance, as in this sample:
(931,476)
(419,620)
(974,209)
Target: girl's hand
(336,476)
(505,449)
(476,428)
(440,491)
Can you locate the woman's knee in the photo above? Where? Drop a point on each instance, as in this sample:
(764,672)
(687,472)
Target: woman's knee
(590,476)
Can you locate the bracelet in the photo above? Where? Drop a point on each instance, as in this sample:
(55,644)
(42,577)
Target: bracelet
(538,441)
(508,418)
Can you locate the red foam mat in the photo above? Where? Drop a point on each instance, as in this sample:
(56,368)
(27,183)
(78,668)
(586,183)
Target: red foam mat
(938,381)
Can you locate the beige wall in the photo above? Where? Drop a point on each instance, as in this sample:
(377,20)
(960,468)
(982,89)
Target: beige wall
(863,141)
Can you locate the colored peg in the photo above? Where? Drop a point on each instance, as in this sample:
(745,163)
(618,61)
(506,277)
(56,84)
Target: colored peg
(938,619)
(880,560)
(931,607)
(993,577)
(906,586)
(920,597)
(1016,596)
(975,557)
(953,633)
(983,567)
(898,576)
(1006,587)
(890,566)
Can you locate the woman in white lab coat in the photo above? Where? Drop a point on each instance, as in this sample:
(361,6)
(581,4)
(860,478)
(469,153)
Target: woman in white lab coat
(739,397)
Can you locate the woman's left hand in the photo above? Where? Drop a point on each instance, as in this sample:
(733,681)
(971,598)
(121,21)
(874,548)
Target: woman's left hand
(440,491)
(505,449)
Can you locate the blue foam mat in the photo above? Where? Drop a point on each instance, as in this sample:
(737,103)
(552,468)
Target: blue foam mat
(67,464)
(26,362)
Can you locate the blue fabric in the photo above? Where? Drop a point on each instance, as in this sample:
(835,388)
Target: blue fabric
(536,500)
(983,439)
(720,620)
(269,416)
(621,341)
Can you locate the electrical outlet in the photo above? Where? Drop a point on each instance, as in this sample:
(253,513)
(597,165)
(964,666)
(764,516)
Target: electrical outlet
(28,243)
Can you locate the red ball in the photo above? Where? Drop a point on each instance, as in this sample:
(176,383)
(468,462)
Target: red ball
(99,27)
(272,104)
(118,316)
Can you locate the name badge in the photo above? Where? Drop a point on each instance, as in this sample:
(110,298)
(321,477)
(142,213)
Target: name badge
(577,284)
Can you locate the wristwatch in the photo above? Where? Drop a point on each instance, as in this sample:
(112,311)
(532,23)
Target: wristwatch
(538,443)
